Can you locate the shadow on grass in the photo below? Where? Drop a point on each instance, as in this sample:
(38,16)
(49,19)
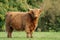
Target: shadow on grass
(13,37)
(16,38)
(20,37)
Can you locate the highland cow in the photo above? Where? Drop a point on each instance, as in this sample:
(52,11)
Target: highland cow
(27,21)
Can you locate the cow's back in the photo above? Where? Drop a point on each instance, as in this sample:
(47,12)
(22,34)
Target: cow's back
(15,20)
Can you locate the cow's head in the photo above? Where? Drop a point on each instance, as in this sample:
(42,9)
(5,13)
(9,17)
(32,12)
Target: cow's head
(35,13)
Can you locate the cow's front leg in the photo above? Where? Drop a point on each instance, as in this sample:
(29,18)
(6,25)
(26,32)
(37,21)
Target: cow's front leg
(27,30)
(29,33)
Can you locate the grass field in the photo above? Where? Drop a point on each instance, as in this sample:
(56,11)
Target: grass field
(36,36)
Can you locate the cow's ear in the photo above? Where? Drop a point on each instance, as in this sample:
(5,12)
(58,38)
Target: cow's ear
(40,10)
(31,11)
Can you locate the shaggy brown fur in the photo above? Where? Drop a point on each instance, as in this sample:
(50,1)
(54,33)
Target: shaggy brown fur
(22,21)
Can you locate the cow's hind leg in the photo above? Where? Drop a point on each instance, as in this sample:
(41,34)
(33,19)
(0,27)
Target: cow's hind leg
(9,31)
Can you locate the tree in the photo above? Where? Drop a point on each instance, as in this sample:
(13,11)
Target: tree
(50,20)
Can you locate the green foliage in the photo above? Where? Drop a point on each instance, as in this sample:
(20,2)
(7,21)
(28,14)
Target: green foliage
(49,20)
(2,18)
(34,3)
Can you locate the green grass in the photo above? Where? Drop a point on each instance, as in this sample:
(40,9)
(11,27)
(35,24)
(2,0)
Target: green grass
(36,36)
